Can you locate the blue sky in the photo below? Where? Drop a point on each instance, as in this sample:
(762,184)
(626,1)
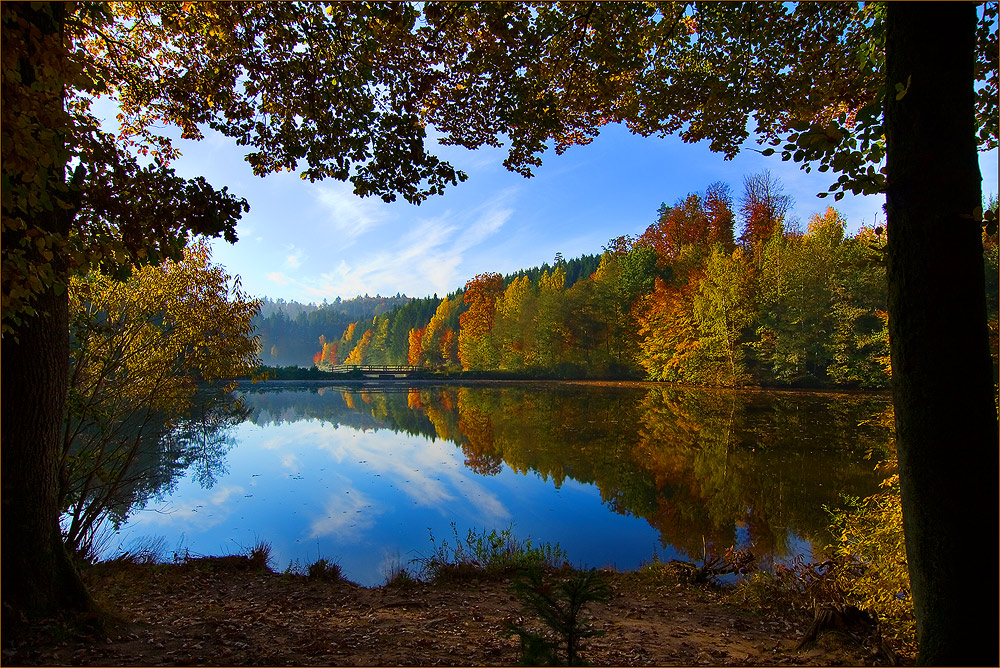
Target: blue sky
(313,241)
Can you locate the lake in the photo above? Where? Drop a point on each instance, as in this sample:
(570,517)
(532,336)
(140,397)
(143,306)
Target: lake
(616,474)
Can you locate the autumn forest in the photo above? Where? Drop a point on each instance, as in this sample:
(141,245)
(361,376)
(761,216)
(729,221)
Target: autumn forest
(688,301)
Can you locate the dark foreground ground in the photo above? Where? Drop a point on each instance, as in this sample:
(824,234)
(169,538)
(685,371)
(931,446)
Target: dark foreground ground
(219,612)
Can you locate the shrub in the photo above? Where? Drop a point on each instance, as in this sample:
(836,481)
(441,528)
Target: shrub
(492,554)
(872,569)
(325,570)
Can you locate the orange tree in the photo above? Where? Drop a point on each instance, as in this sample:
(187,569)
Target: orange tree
(476,349)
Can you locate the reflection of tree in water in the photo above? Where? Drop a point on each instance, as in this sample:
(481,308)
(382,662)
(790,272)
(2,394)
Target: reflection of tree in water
(439,406)
(275,404)
(106,481)
(696,464)
(480,454)
(204,436)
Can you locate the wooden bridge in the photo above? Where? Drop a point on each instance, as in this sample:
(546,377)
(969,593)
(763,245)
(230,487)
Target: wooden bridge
(373,370)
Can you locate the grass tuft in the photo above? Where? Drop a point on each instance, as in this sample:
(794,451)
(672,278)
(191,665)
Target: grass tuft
(494,554)
(398,576)
(260,556)
(324,570)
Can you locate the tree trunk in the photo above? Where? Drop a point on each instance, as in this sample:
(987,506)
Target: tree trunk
(946,420)
(38,577)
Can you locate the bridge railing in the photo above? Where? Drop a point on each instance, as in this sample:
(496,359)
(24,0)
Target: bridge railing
(371,368)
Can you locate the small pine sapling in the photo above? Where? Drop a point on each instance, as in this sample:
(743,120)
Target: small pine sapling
(560,606)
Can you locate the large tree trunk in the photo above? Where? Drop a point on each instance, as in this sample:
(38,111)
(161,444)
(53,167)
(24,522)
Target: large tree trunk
(946,420)
(38,577)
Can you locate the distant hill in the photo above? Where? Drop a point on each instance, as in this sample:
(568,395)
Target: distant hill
(289,331)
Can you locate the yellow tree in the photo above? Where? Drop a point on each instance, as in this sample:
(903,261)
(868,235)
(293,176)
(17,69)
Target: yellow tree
(724,312)
(140,350)
(551,333)
(449,348)
(436,338)
(514,325)
(357,355)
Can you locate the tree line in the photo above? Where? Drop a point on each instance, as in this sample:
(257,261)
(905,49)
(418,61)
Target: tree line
(686,301)
(287,330)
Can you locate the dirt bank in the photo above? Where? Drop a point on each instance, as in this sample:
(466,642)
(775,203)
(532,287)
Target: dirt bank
(226,614)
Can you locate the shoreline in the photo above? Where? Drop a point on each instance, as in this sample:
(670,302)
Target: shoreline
(638,384)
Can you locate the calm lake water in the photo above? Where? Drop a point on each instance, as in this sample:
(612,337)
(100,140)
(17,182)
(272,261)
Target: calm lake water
(364,474)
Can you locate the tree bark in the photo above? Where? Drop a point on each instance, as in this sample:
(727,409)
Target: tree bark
(946,420)
(38,576)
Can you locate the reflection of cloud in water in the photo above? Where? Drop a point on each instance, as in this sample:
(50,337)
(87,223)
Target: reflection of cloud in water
(348,513)
(487,503)
(274,443)
(429,473)
(391,562)
(197,514)
(290,461)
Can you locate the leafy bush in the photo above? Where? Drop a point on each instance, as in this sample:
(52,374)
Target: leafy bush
(489,554)
(872,571)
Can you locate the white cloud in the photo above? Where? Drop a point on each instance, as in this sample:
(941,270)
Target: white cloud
(427,258)
(349,215)
(296,257)
(196,514)
(428,473)
(485,226)
(291,462)
(222,495)
(279,278)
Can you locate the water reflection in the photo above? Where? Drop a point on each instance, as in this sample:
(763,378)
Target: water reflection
(360,474)
(107,475)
